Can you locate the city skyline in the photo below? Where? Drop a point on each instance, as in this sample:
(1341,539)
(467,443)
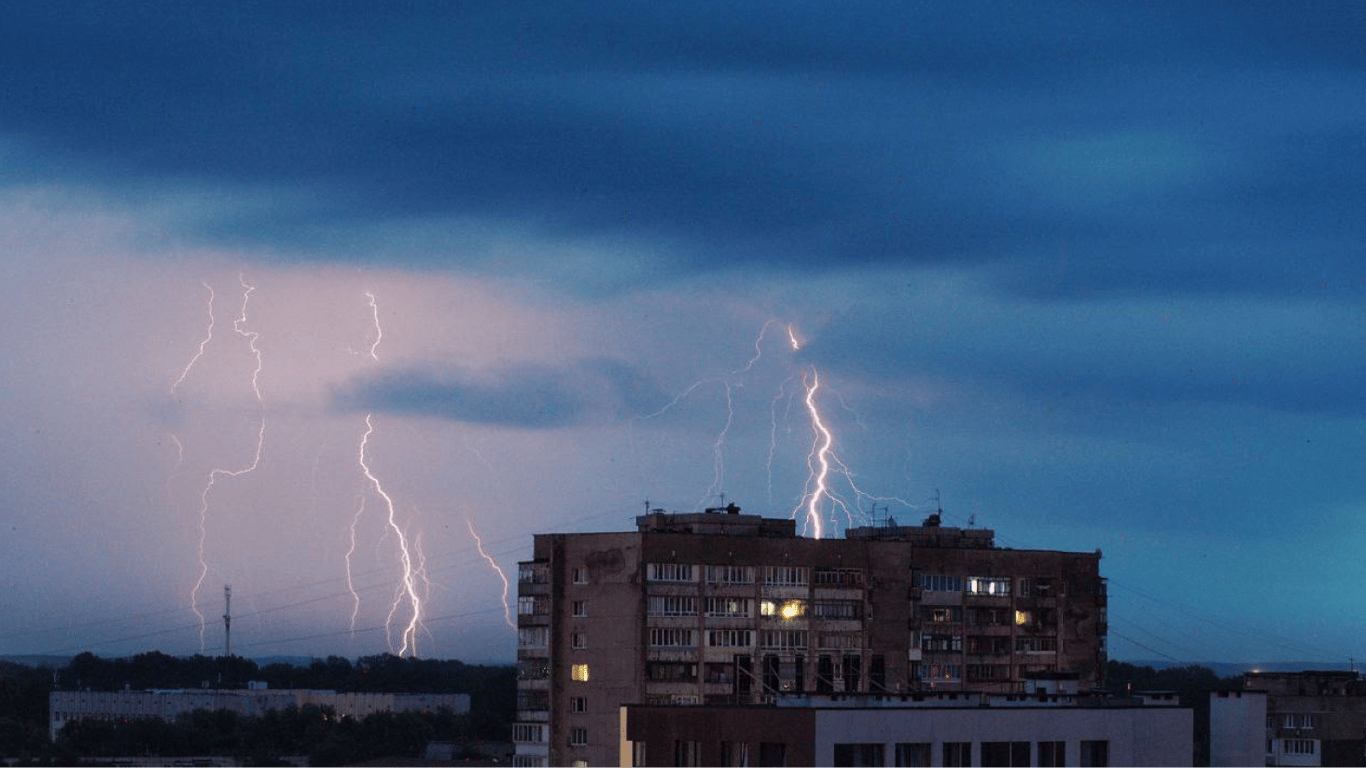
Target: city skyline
(326,292)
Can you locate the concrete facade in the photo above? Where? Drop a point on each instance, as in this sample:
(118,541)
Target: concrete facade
(64,706)
(1310,718)
(725,609)
(936,729)
(1237,728)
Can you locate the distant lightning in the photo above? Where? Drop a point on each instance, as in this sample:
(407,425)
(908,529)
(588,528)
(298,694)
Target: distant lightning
(407,587)
(351,550)
(412,564)
(208,336)
(379,332)
(251,337)
(507,607)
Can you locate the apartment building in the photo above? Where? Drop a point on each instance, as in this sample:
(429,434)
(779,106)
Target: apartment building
(721,608)
(1309,718)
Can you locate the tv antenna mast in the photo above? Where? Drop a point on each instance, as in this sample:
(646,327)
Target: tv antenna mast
(227,620)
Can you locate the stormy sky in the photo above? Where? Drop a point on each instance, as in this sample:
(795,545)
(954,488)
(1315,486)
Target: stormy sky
(295,288)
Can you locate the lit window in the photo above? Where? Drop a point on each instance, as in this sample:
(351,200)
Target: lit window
(1024,617)
(579,672)
(992,587)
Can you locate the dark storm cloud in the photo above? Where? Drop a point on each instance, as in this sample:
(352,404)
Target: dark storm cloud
(781,136)
(524,396)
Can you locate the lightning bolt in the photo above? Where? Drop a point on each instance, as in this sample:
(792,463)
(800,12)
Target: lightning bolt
(818,460)
(216,473)
(208,336)
(407,587)
(479,543)
(412,563)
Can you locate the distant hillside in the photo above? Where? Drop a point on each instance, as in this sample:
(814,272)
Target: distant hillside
(1229,668)
(35,660)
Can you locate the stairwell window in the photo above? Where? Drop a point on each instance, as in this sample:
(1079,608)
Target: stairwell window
(579,673)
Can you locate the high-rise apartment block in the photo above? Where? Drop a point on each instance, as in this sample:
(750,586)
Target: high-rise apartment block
(721,608)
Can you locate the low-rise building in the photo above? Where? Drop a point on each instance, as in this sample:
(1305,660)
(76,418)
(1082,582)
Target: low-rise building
(65,706)
(915,729)
(1307,718)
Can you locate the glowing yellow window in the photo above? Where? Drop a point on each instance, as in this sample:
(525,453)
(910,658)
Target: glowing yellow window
(1023,617)
(579,672)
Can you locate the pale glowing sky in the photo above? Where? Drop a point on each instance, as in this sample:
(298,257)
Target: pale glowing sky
(1092,273)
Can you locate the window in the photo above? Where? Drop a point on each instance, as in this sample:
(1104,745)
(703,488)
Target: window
(669,572)
(988,645)
(785,576)
(528,761)
(533,573)
(938,582)
(529,733)
(838,577)
(1298,746)
(1036,644)
(580,575)
(942,643)
(730,574)
(858,754)
(533,637)
(1026,586)
(783,609)
(991,587)
(932,673)
(580,608)
(838,641)
(1095,753)
(578,736)
(719,672)
(578,640)
(783,639)
(672,605)
(671,671)
(533,669)
(687,753)
(670,637)
(1052,753)
(1005,753)
(579,672)
(913,754)
(728,607)
(533,605)
(877,674)
(957,753)
(1024,617)
(837,609)
(730,638)
(578,704)
(942,614)
(533,701)
(1300,720)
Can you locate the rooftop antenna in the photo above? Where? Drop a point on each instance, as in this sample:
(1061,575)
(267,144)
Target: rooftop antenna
(227,620)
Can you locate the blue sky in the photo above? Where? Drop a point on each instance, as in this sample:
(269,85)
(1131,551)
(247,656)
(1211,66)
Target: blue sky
(1090,274)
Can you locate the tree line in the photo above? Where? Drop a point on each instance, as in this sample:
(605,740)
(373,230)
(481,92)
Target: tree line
(312,731)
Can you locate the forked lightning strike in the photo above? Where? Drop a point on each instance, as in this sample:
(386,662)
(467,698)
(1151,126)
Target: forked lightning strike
(507,586)
(412,566)
(217,472)
(407,587)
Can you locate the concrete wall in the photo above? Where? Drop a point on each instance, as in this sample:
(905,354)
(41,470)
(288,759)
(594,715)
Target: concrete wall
(1237,728)
(1152,736)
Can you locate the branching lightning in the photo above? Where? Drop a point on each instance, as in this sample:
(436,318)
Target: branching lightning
(507,586)
(407,588)
(217,472)
(412,564)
